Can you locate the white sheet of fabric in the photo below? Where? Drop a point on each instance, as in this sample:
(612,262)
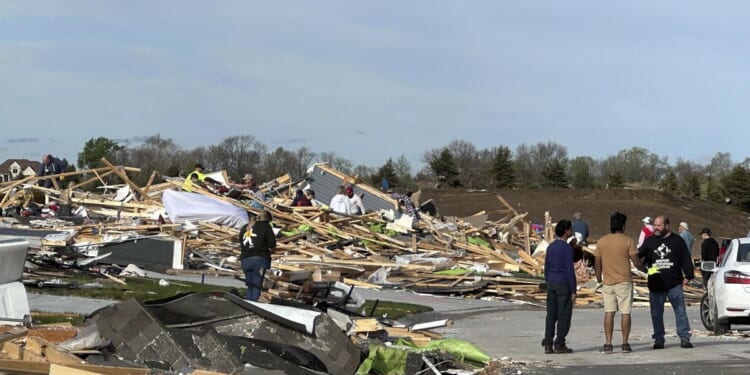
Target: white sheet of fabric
(184,206)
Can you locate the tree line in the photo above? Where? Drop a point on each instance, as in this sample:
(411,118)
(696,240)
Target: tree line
(457,164)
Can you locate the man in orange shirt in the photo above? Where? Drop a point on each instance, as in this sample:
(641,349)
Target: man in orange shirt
(612,265)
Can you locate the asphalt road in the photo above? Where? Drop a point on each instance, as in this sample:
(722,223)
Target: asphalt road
(513,332)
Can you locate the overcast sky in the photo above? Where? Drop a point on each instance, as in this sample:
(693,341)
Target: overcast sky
(376,79)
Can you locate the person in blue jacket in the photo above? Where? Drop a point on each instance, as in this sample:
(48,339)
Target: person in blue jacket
(50,166)
(561,289)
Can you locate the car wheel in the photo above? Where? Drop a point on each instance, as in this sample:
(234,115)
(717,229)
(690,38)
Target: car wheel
(720,327)
(706,317)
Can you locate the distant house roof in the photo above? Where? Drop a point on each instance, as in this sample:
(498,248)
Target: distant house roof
(23,163)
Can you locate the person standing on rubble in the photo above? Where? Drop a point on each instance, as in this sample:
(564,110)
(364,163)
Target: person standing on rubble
(561,289)
(670,267)
(356,207)
(300,200)
(340,202)
(612,265)
(310,194)
(580,229)
(195,177)
(248,183)
(257,242)
(404,200)
(50,166)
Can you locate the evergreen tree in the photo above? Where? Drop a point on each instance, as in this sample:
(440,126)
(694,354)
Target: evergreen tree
(502,168)
(669,183)
(444,168)
(94,150)
(388,171)
(554,174)
(736,187)
(692,186)
(713,190)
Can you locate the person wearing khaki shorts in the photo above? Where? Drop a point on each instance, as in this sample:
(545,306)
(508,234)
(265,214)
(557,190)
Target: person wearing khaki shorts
(614,252)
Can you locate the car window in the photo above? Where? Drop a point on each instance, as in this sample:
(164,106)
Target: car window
(726,254)
(743,255)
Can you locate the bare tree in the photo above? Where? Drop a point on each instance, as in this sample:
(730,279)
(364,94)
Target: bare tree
(338,163)
(237,155)
(532,160)
(720,165)
(304,159)
(402,168)
(277,163)
(155,154)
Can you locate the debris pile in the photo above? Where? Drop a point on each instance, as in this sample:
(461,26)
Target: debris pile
(188,228)
(312,323)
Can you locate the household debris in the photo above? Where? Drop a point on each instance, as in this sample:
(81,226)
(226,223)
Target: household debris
(321,259)
(163,227)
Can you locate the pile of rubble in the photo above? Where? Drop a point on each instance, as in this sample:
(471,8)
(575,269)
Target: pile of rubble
(476,256)
(321,258)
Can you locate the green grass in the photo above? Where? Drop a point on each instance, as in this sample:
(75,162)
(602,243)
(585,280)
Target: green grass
(146,289)
(392,310)
(51,318)
(142,289)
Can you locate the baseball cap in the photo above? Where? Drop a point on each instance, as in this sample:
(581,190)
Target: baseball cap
(647,220)
(684,224)
(706,231)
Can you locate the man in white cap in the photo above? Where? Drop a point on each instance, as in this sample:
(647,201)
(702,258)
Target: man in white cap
(646,231)
(684,231)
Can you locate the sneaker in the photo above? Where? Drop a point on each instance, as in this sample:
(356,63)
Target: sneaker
(626,348)
(562,349)
(658,345)
(606,349)
(685,343)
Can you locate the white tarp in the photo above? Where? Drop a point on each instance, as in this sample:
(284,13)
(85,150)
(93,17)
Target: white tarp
(183,206)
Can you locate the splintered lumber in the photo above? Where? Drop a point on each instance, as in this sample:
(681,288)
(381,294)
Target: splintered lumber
(319,244)
(27,367)
(431,325)
(41,347)
(366,325)
(123,177)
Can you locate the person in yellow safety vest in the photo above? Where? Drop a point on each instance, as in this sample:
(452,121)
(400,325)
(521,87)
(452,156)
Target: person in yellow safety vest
(197,176)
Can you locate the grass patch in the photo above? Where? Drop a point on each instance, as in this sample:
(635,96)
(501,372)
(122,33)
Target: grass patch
(146,289)
(140,288)
(392,310)
(40,318)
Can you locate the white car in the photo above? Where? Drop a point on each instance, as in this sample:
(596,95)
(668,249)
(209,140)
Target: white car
(727,297)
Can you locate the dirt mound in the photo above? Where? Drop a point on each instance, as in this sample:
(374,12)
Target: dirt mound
(597,205)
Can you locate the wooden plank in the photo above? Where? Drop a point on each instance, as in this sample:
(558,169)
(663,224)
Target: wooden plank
(366,325)
(360,284)
(50,351)
(55,369)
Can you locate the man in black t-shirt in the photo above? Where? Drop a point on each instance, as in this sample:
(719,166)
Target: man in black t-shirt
(670,266)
